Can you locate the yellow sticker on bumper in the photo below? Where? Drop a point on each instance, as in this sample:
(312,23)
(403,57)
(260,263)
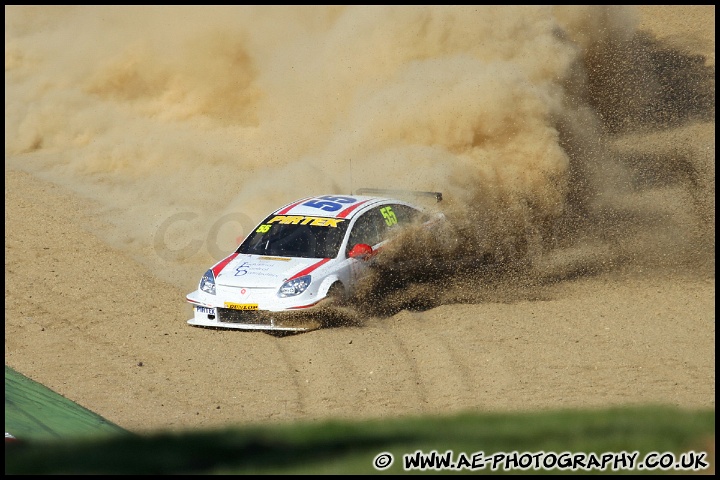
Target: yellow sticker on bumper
(241,306)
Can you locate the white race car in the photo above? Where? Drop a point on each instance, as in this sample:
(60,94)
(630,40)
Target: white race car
(314,249)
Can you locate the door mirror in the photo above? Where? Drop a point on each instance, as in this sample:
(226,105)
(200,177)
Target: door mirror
(361,250)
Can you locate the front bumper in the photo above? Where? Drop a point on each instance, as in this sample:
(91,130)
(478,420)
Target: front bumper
(291,320)
(254,320)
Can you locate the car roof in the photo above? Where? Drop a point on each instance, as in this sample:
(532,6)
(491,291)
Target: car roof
(347,207)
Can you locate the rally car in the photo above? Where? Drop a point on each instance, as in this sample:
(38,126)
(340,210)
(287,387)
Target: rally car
(301,256)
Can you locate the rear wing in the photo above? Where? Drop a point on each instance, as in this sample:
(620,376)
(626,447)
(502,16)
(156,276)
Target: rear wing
(382,191)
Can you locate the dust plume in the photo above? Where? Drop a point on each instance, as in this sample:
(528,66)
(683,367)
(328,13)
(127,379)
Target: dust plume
(563,138)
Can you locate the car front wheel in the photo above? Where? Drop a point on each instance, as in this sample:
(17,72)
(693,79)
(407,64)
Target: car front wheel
(336,294)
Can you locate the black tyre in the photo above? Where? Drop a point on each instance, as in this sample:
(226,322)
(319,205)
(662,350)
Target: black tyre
(336,294)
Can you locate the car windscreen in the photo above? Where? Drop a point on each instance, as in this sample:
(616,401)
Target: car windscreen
(296,236)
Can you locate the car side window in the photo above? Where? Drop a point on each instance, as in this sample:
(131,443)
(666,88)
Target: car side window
(403,214)
(375,225)
(369,229)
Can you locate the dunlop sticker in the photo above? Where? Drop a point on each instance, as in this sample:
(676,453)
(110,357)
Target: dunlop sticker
(241,306)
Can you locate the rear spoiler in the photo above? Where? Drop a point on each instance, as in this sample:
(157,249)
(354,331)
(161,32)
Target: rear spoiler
(382,191)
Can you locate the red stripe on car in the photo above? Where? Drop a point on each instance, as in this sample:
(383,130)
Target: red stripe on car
(291,206)
(218,268)
(304,306)
(309,269)
(347,211)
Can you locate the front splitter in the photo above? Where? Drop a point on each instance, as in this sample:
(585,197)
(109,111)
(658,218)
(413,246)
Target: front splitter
(304,325)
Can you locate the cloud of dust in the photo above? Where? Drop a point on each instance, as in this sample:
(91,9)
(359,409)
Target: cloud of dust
(196,119)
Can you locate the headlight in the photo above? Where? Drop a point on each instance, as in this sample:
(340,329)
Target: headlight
(294,287)
(207,283)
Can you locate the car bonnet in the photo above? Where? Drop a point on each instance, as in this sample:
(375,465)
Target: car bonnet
(258,271)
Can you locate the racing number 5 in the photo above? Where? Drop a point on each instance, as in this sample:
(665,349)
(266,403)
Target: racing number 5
(329,203)
(390,218)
